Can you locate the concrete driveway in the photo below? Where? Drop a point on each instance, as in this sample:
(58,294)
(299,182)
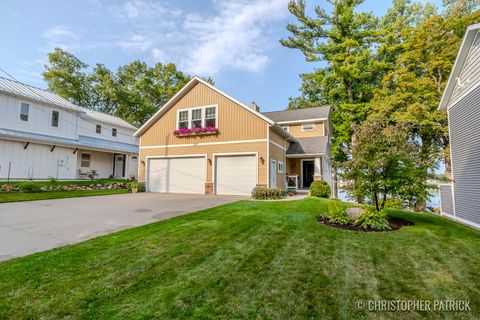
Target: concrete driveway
(33,226)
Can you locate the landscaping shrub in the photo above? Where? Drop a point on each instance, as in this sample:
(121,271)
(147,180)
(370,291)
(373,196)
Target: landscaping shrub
(141,187)
(29,187)
(337,213)
(373,219)
(394,203)
(264,193)
(320,189)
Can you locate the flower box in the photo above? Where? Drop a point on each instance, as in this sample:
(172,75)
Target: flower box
(195,131)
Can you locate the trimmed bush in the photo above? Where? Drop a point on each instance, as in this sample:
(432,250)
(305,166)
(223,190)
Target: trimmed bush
(373,219)
(29,187)
(320,189)
(337,213)
(264,193)
(141,187)
(394,203)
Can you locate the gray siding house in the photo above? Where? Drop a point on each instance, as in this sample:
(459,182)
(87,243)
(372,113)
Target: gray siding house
(460,199)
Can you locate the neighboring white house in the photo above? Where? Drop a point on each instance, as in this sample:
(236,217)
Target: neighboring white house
(460,199)
(43,135)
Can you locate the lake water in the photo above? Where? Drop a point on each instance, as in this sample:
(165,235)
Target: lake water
(433,202)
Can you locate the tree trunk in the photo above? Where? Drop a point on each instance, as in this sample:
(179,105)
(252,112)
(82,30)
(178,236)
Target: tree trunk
(448,163)
(375,199)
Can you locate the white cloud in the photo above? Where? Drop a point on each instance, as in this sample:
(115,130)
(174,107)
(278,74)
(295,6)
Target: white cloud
(235,37)
(60,36)
(138,10)
(135,43)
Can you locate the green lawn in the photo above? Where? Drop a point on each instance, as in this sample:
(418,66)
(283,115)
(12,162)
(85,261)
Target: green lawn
(65,182)
(247,260)
(21,196)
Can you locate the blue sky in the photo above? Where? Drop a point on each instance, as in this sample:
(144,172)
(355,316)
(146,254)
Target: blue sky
(234,41)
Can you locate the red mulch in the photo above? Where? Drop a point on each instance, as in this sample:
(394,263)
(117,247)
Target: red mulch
(395,224)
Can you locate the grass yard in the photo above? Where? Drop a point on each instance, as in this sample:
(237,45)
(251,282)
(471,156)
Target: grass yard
(22,196)
(65,182)
(248,260)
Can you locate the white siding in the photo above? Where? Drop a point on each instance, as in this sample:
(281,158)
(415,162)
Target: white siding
(101,162)
(470,75)
(446,199)
(39,118)
(88,128)
(36,161)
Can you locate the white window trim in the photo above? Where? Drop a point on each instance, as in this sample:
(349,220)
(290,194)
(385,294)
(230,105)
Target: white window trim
(272,178)
(58,119)
(308,124)
(28,112)
(189,118)
(96,129)
(89,160)
(280,164)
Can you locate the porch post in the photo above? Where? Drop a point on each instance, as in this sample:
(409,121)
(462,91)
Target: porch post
(317,175)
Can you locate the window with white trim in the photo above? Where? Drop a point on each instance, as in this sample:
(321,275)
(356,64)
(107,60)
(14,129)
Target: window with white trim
(55,116)
(211,117)
(24,108)
(183,119)
(280,166)
(114,132)
(98,129)
(85,162)
(197,118)
(286,128)
(308,126)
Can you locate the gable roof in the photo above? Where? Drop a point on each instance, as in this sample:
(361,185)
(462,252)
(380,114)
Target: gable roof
(22,90)
(192,83)
(300,115)
(462,55)
(308,146)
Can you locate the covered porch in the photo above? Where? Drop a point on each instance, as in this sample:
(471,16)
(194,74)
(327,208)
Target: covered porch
(305,159)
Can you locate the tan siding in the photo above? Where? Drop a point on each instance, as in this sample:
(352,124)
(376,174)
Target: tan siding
(293,166)
(234,122)
(259,147)
(277,154)
(275,137)
(296,130)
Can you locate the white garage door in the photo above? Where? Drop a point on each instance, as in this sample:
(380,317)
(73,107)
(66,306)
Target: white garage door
(236,174)
(177,175)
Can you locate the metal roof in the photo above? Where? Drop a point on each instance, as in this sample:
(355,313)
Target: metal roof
(299,114)
(29,92)
(81,142)
(311,145)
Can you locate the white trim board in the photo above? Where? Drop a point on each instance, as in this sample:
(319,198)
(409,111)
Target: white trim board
(302,121)
(226,154)
(460,220)
(202,144)
(277,145)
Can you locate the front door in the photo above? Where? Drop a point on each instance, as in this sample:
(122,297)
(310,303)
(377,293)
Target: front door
(308,170)
(119,169)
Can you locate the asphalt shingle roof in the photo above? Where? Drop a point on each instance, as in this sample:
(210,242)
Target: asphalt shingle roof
(311,145)
(299,114)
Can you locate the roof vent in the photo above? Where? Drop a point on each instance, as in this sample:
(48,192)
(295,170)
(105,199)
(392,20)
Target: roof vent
(254,106)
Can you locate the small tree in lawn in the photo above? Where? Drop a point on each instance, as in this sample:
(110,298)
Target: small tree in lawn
(385,162)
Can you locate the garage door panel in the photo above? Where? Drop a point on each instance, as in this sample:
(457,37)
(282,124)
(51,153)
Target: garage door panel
(236,174)
(177,175)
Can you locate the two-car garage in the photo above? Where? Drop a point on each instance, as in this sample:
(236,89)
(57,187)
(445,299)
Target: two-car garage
(233,174)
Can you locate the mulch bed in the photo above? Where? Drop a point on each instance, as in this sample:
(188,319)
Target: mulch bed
(395,224)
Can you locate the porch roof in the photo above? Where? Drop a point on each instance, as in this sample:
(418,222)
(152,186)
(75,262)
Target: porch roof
(308,146)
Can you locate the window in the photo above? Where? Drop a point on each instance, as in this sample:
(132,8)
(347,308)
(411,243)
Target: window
(211,117)
(114,132)
(286,128)
(85,163)
(55,115)
(280,167)
(308,126)
(98,129)
(24,107)
(196,118)
(183,119)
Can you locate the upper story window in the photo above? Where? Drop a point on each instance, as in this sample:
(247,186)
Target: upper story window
(308,126)
(286,128)
(98,129)
(114,132)
(183,119)
(24,108)
(55,117)
(197,118)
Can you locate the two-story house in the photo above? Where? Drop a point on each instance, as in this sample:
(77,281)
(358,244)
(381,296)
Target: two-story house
(207,142)
(43,135)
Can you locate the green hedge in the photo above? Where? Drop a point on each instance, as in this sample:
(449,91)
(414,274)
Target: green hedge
(264,193)
(320,189)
